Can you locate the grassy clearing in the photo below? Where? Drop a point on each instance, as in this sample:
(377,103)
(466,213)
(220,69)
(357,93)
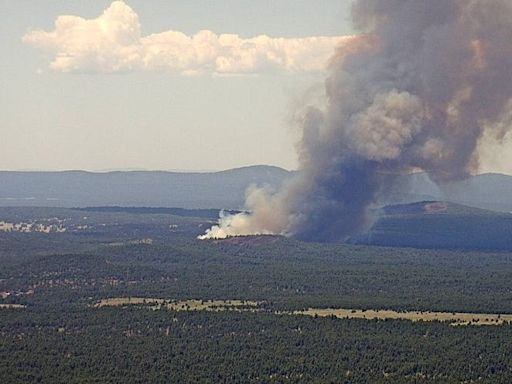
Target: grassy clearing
(455,318)
(179,305)
(12,306)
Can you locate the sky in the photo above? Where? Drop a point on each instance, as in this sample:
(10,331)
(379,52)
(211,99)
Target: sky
(166,84)
(74,97)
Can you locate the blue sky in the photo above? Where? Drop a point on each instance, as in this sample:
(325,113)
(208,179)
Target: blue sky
(136,85)
(156,118)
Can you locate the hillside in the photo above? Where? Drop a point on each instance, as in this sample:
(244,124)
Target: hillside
(434,224)
(487,191)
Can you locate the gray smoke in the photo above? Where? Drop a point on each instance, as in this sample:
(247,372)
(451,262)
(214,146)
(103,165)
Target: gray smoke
(415,90)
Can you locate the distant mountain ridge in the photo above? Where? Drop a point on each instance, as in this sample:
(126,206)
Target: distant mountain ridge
(224,189)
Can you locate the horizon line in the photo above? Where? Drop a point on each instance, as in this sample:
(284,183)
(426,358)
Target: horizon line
(138,169)
(178,170)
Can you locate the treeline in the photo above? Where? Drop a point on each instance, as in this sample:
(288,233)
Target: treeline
(203,213)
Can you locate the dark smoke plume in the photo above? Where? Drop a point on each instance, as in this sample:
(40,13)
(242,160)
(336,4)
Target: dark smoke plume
(415,90)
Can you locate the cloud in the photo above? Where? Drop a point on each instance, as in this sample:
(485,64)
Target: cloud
(113,42)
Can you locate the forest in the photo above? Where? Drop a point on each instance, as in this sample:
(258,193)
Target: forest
(57,333)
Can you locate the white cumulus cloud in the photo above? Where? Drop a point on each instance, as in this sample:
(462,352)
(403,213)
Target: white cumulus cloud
(113,42)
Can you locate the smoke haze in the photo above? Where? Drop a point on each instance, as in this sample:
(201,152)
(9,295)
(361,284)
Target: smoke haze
(417,89)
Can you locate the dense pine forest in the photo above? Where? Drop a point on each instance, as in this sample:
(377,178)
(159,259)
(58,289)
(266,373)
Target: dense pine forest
(52,330)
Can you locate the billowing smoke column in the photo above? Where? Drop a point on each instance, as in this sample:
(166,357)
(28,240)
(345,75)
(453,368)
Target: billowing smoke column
(415,90)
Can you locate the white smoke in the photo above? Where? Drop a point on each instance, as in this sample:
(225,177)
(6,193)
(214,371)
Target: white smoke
(266,216)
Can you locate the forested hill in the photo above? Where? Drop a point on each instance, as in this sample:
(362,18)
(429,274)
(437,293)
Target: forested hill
(487,191)
(435,224)
(224,189)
